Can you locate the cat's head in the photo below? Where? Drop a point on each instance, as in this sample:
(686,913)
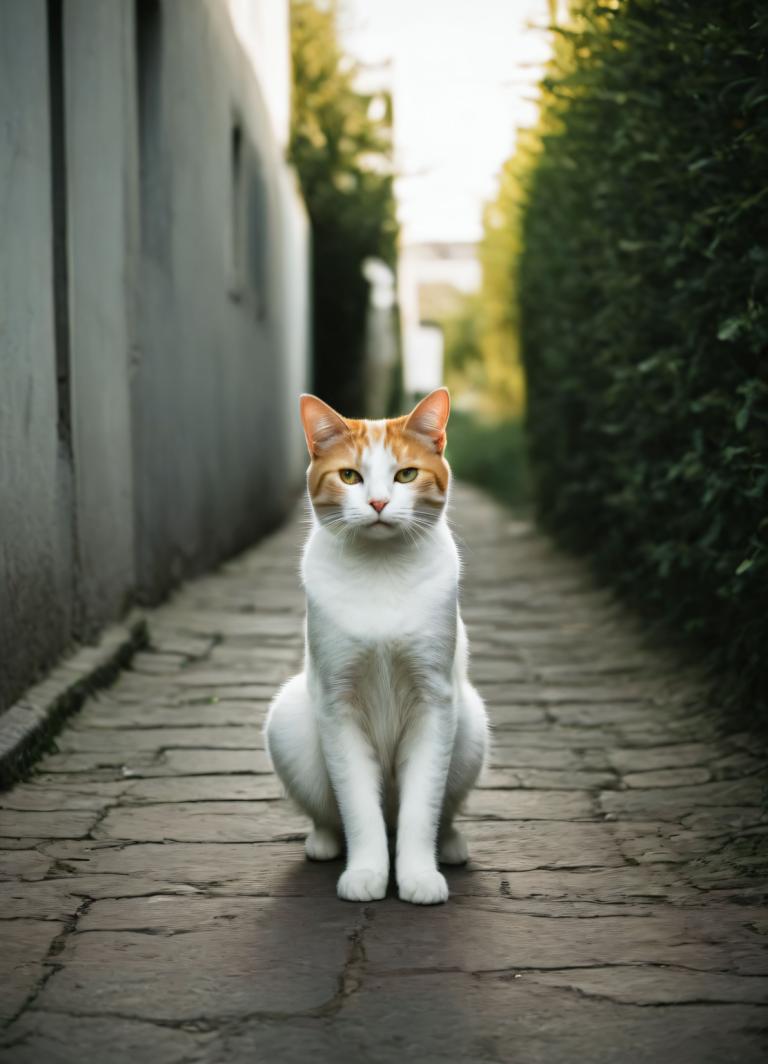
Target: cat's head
(378,479)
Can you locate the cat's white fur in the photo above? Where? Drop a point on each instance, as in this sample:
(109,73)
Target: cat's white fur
(382,731)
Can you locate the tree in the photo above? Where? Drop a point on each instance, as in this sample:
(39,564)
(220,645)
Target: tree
(341,145)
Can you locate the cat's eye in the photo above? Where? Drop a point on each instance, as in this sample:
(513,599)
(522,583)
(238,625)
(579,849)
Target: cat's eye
(405,476)
(350,476)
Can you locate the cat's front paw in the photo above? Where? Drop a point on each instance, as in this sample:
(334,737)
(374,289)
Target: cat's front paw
(362,884)
(423,888)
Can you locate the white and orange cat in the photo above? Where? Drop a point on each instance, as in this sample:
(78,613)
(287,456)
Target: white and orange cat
(382,731)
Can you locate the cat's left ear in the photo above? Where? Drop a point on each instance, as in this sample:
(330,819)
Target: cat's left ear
(322,425)
(430,416)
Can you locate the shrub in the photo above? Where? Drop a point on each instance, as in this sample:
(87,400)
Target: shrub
(491,454)
(642,288)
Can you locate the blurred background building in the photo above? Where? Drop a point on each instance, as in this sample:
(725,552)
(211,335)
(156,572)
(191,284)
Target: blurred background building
(154,305)
(435,277)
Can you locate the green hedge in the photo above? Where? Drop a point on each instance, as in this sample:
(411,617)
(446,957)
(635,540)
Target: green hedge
(490,453)
(642,284)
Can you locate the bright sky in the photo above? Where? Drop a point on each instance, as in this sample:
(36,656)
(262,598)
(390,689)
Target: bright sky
(463,77)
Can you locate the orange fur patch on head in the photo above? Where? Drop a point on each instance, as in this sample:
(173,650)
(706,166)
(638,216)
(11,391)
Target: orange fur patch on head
(415,440)
(422,434)
(413,449)
(323,481)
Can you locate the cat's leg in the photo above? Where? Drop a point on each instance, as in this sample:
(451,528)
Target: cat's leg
(469,751)
(294,746)
(423,761)
(323,843)
(356,776)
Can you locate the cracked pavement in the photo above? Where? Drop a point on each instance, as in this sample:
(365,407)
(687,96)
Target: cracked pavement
(156,903)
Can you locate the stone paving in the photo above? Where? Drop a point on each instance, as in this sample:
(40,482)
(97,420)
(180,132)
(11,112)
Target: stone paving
(157,906)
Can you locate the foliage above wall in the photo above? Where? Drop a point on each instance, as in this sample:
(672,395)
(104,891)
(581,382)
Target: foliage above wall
(644,327)
(341,146)
(482,339)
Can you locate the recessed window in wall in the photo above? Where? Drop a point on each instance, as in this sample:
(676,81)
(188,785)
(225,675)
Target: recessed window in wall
(153,182)
(249,224)
(237,194)
(258,237)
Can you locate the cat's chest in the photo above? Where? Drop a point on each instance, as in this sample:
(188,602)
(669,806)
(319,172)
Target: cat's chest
(381,604)
(381,609)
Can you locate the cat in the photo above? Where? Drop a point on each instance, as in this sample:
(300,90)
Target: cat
(382,730)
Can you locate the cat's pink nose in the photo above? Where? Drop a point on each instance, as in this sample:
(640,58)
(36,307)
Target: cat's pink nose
(378,504)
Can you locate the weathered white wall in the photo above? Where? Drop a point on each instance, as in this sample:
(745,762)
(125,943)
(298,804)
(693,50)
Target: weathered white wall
(100,185)
(36,561)
(178,441)
(210,373)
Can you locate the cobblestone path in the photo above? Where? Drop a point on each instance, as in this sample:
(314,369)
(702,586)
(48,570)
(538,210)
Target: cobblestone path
(157,906)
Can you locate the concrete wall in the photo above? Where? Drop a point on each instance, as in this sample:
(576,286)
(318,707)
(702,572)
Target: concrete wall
(100,187)
(153,312)
(36,564)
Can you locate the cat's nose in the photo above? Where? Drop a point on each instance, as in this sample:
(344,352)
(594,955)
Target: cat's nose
(378,504)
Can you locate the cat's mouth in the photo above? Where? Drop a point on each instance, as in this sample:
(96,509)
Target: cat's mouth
(379,522)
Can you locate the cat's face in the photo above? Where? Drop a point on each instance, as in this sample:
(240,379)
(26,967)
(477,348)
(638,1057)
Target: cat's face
(378,479)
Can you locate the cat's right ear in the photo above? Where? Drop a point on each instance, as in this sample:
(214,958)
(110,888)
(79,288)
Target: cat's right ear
(322,425)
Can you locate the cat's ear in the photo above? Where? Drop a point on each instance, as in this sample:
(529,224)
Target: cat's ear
(322,425)
(430,416)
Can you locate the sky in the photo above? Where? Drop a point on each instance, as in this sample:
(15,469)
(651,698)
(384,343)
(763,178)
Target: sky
(463,75)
